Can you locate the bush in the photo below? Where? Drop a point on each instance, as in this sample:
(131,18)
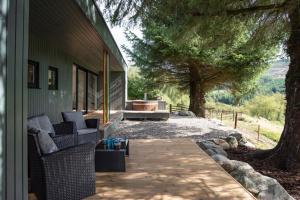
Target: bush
(269,107)
(138,85)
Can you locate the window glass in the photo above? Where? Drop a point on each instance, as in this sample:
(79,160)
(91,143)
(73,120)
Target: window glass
(33,74)
(52,78)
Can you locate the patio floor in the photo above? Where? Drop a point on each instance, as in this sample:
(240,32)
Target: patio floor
(168,169)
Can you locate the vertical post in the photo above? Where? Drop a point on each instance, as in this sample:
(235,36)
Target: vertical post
(221,115)
(170,108)
(106,65)
(233,115)
(13,105)
(258,132)
(235,120)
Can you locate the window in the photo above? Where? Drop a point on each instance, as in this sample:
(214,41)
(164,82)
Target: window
(52,78)
(85,90)
(33,74)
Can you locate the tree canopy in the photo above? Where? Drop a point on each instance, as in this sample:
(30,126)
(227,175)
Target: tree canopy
(208,51)
(218,25)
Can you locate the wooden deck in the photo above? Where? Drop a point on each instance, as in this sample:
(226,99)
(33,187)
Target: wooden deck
(169,169)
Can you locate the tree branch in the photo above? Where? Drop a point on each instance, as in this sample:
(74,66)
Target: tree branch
(245,10)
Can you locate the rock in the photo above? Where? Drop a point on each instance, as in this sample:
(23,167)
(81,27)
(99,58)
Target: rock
(220,159)
(274,192)
(263,187)
(238,166)
(269,188)
(206,144)
(239,137)
(249,145)
(186,113)
(210,152)
(221,142)
(211,148)
(232,141)
(246,182)
(219,151)
(191,114)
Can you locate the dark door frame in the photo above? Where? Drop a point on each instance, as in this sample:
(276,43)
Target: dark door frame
(87,72)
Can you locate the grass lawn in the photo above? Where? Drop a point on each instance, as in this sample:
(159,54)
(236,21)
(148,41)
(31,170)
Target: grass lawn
(275,136)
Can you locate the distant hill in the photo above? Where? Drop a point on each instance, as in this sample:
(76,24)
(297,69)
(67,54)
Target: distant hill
(278,69)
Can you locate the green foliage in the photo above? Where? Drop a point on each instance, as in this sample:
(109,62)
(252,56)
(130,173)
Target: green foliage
(209,43)
(270,107)
(270,134)
(174,96)
(220,96)
(220,106)
(138,85)
(268,85)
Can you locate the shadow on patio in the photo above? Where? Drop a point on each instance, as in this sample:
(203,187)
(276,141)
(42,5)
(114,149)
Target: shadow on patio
(168,169)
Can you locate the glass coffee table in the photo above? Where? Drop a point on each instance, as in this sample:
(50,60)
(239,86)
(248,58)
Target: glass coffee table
(110,155)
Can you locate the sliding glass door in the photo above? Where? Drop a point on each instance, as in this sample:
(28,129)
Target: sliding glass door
(81,90)
(92,92)
(85,90)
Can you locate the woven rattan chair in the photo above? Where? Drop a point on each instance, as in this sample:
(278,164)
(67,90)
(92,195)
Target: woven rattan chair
(63,134)
(67,174)
(87,129)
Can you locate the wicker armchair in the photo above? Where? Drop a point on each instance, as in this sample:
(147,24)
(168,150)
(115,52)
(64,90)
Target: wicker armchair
(87,129)
(63,134)
(68,174)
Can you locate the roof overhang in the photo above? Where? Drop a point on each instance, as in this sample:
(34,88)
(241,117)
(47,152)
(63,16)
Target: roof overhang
(77,28)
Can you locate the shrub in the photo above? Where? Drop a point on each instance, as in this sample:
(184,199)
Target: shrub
(269,107)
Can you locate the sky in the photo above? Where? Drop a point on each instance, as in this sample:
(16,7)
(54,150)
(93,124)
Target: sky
(118,33)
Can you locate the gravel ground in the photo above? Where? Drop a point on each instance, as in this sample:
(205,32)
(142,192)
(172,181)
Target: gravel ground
(175,127)
(183,127)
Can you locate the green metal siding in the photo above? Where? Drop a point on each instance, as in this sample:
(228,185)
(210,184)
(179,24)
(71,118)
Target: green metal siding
(42,100)
(117,90)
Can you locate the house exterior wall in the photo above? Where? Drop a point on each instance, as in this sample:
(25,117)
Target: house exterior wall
(42,100)
(117,90)
(53,102)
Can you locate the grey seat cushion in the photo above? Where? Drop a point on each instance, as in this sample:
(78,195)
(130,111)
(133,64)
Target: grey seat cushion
(86,131)
(33,123)
(41,122)
(76,117)
(46,143)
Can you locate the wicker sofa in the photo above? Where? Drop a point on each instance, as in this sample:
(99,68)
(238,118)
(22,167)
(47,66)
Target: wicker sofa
(87,130)
(67,174)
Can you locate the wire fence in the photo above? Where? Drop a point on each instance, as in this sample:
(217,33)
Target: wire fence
(211,113)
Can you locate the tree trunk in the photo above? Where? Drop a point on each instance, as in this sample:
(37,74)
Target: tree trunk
(197,96)
(286,155)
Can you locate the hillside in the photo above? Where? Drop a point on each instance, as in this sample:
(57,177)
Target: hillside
(278,69)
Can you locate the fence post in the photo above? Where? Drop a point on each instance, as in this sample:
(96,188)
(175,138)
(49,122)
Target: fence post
(236,119)
(170,108)
(258,132)
(233,115)
(221,115)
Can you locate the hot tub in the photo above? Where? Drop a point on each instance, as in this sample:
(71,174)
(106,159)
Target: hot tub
(145,105)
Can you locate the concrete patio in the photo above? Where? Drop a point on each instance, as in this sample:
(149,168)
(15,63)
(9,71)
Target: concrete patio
(168,169)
